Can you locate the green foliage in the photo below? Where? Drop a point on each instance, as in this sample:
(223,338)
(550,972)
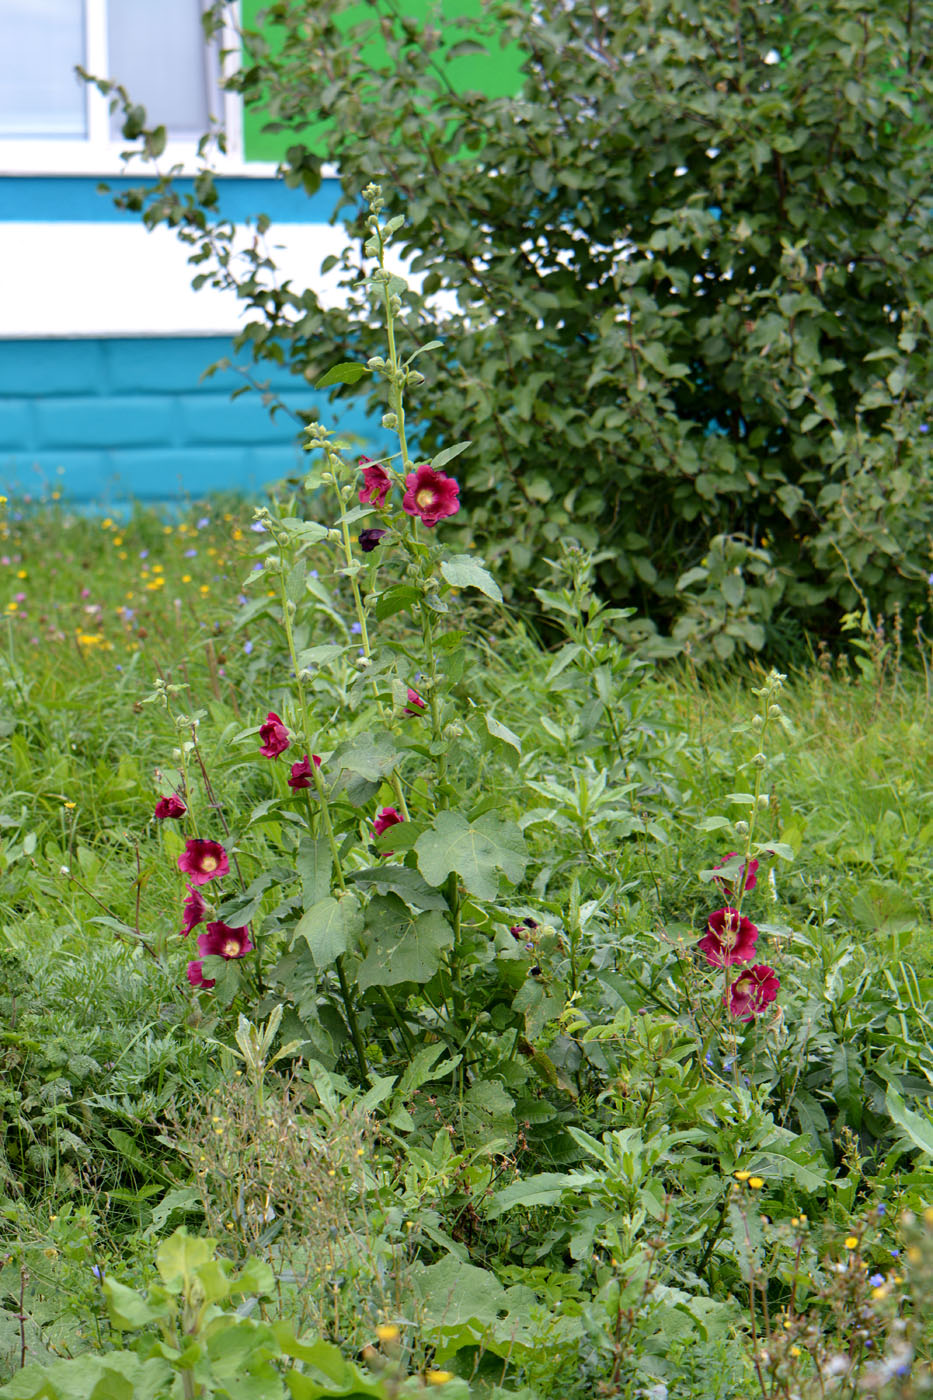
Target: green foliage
(681,286)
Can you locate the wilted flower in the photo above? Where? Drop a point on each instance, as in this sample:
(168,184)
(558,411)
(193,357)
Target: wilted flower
(752,991)
(274,736)
(301,772)
(430,495)
(195,911)
(221,941)
(730,938)
(195,973)
(414,699)
(386,818)
(370,538)
(169,807)
(377,483)
(750,872)
(203,860)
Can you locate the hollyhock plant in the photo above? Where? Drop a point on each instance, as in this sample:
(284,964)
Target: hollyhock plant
(195,912)
(202,861)
(274,736)
(377,483)
(301,772)
(750,872)
(753,990)
(430,495)
(221,941)
(386,818)
(195,975)
(169,807)
(370,538)
(730,938)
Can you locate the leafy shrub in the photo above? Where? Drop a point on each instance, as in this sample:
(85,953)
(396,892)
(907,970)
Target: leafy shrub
(682,280)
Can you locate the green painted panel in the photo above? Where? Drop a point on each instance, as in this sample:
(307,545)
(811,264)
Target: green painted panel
(497,73)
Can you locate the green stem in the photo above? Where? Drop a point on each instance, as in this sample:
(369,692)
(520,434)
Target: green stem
(326,823)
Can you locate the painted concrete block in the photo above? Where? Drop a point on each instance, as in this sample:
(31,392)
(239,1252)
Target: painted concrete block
(41,367)
(83,475)
(179,472)
(273,463)
(217,419)
(15,425)
(105,422)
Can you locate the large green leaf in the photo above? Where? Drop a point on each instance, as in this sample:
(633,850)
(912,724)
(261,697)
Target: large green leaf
(330,926)
(463,571)
(404,947)
(918,1127)
(474,850)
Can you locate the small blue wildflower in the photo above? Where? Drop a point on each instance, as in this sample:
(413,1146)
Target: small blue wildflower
(144,554)
(128,614)
(880,1208)
(877,1280)
(97,1270)
(895,1254)
(903,1370)
(204,522)
(119,668)
(257,568)
(257,527)
(356,629)
(312,573)
(248,647)
(924,427)
(728,1062)
(190,553)
(241,599)
(708,1057)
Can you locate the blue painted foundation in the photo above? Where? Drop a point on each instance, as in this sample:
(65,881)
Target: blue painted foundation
(54,198)
(107,421)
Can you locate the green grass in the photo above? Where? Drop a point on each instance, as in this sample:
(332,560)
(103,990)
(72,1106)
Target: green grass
(103,1043)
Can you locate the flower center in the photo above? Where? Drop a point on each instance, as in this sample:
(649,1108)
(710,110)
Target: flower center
(425,497)
(231,948)
(209,863)
(730,931)
(744,987)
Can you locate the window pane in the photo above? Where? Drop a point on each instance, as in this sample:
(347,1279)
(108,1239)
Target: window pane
(40,43)
(157,52)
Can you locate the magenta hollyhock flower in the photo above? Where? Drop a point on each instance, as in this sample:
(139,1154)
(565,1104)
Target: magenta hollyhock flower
(414,699)
(169,807)
(752,991)
(377,483)
(730,938)
(750,872)
(274,736)
(386,818)
(222,941)
(370,538)
(195,912)
(301,772)
(195,974)
(203,860)
(430,495)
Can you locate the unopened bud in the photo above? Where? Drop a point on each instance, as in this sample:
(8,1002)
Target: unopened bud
(290,608)
(741,828)
(759,760)
(774,711)
(390,420)
(757,722)
(395,304)
(377,362)
(415,378)
(362,663)
(763,800)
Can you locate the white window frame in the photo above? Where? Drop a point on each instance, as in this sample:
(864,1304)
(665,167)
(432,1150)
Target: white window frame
(98,153)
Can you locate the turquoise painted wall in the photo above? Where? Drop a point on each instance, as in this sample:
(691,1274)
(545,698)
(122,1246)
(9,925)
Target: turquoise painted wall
(113,419)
